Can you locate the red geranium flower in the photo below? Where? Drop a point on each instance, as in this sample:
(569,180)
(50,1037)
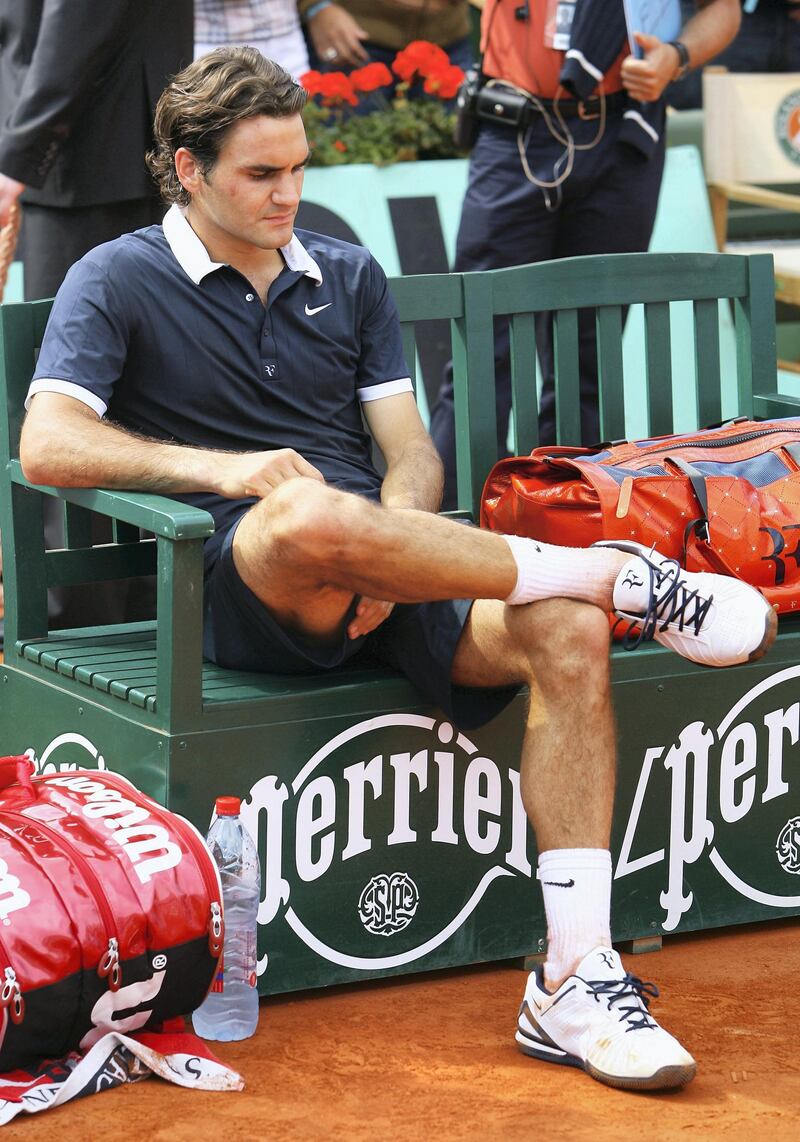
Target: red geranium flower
(370,77)
(340,146)
(336,88)
(311,82)
(419,58)
(445,82)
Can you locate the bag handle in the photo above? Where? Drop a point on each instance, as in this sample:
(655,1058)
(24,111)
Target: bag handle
(793,448)
(17,769)
(698,482)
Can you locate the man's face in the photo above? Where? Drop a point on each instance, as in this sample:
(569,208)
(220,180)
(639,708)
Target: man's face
(251,194)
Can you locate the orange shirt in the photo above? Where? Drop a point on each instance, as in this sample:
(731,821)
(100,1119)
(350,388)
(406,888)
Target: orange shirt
(516,50)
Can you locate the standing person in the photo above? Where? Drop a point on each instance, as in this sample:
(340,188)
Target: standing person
(78,83)
(350,33)
(768,40)
(79,80)
(234,357)
(271,26)
(578,172)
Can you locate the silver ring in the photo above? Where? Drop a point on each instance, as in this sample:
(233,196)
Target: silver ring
(330,54)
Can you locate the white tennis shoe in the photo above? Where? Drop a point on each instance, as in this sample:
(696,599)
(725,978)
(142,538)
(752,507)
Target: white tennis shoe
(598,1020)
(714,620)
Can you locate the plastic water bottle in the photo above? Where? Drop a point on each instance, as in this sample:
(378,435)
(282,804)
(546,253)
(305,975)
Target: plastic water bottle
(230,1010)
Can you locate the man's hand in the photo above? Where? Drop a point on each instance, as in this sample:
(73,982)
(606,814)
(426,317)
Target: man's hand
(337,37)
(645,79)
(259,473)
(10,190)
(370,613)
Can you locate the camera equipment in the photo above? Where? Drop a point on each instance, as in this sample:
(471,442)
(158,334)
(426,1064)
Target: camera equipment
(466,127)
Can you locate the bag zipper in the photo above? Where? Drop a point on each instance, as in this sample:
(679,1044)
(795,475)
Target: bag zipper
(199,850)
(11,997)
(109,966)
(741,438)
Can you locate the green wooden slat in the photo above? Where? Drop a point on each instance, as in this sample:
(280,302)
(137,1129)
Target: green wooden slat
(775,405)
(707,362)
(96,564)
(618,279)
(420,297)
(77,526)
(523,383)
(153,513)
(124,532)
(179,610)
(473,385)
(754,319)
(610,372)
(658,365)
(408,333)
(24,571)
(565,352)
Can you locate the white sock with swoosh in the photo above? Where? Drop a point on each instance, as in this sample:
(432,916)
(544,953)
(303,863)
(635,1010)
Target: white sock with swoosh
(576,885)
(547,571)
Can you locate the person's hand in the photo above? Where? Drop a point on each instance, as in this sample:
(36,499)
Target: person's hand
(259,473)
(10,190)
(370,613)
(337,37)
(645,79)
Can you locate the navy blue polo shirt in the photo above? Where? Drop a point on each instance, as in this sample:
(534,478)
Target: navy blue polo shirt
(150,332)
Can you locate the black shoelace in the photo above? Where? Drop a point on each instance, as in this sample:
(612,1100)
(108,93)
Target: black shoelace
(671,607)
(629,987)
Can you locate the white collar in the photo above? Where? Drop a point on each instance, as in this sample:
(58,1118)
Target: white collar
(192,256)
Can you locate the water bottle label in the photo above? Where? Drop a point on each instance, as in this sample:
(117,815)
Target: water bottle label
(251,958)
(219,977)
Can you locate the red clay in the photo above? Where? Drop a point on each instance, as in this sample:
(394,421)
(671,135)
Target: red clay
(433,1057)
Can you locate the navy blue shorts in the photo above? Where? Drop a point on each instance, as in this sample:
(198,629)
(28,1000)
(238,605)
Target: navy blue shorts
(418,639)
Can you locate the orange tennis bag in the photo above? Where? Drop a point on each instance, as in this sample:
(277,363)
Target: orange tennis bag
(725,499)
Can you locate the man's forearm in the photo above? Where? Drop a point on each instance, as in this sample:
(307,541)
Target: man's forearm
(711,29)
(414,479)
(82,452)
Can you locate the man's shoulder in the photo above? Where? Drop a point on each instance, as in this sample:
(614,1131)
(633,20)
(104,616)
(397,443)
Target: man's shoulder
(334,251)
(140,251)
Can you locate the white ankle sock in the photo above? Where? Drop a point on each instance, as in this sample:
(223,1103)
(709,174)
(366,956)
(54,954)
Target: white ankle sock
(547,572)
(576,885)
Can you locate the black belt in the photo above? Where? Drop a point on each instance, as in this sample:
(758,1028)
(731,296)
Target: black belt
(500,104)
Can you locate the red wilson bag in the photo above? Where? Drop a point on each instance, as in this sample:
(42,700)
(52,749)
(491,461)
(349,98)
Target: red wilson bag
(110,914)
(724,499)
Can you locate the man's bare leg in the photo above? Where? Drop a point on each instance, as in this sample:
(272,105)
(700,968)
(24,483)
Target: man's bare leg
(559,649)
(306,550)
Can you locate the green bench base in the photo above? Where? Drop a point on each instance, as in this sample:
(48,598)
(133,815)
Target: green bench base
(391,843)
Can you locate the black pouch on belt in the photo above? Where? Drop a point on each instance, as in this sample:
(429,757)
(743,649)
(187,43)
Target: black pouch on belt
(500,104)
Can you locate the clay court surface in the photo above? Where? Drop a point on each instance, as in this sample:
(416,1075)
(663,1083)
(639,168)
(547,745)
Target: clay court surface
(433,1057)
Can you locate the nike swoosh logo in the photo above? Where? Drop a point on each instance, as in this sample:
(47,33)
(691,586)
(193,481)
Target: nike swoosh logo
(560,883)
(319,308)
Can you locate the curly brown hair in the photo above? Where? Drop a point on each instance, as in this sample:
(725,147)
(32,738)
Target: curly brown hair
(206,99)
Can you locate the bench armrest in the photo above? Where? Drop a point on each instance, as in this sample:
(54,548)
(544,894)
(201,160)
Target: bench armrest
(169,518)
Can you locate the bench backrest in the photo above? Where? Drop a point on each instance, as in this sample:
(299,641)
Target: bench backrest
(608,284)
(469,303)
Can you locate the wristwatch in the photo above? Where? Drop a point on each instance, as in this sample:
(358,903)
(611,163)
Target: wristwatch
(683,59)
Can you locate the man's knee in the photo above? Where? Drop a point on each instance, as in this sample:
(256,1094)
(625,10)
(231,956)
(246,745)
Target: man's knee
(307,521)
(567,642)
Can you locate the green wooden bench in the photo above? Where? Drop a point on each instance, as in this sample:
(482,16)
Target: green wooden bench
(391,842)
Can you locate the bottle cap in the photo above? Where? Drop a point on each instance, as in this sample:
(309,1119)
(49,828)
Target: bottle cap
(228,806)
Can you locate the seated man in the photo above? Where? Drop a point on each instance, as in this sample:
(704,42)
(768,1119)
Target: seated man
(226,359)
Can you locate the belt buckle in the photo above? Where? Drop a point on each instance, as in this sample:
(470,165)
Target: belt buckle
(584,114)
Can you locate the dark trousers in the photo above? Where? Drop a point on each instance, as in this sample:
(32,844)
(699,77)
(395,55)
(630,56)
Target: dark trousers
(606,205)
(52,239)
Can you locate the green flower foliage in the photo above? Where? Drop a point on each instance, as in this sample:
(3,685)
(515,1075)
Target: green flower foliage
(402,130)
